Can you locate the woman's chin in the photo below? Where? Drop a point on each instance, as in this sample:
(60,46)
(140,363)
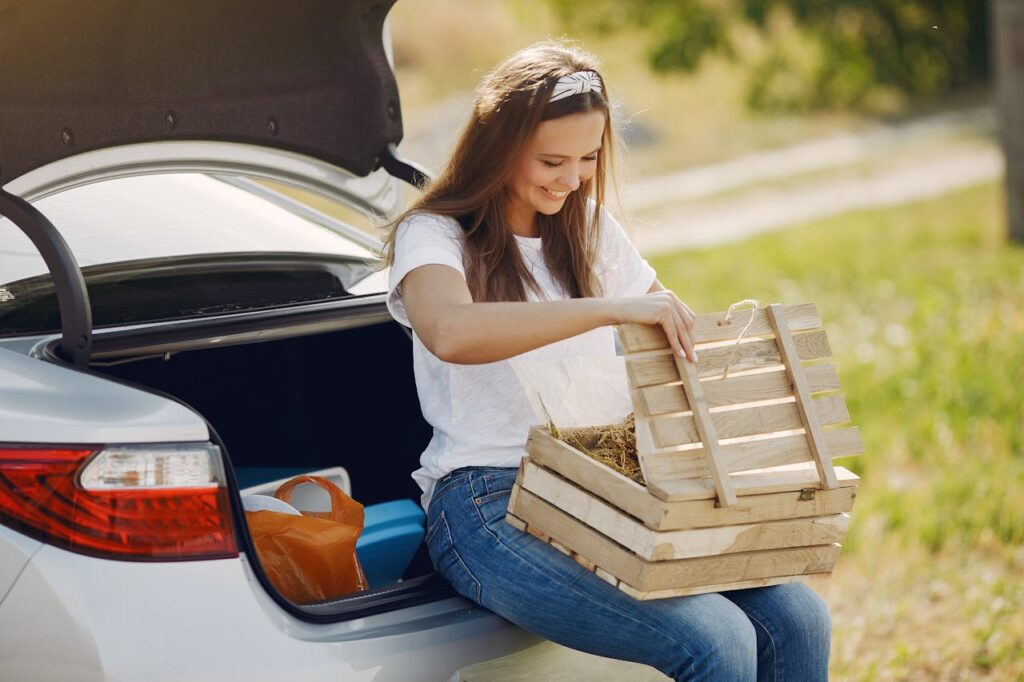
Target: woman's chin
(550,207)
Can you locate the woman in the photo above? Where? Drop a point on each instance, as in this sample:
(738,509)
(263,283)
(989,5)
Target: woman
(510,252)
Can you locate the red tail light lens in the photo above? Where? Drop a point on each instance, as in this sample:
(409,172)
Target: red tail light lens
(145,502)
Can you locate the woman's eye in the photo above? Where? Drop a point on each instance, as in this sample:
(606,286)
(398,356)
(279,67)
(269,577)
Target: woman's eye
(556,164)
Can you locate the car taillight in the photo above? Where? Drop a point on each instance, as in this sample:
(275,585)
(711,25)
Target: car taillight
(137,502)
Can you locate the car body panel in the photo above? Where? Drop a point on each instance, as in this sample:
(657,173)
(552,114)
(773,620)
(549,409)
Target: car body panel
(15,551)
(44,403)
(111,618)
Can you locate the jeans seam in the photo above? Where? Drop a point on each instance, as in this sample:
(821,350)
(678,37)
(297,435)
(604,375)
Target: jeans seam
(775,649)
(438,492)
(487,478)
(443,520)
(432,530)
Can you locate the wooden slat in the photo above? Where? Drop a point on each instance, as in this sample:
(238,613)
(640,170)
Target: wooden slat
(751,421)
(681,544)
(809,416)
(708,435)
(533,528)
(724,587)
(641,429)
(669,398)
(606,576)
(708,328)
(514,521)
(548,451)
(634,499)
(613,558)
(753,508)
(660,368)
(673,574)
(756,482)
(561,548)
(729,568)
(665,465)
(584,562)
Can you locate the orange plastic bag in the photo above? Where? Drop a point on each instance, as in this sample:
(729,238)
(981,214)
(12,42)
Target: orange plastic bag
(312,557)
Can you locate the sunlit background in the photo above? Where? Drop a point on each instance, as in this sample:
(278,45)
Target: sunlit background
(849,154)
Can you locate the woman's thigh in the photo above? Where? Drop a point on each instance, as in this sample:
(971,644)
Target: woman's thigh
(540,589)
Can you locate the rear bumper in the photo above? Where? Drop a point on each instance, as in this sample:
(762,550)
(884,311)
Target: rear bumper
(72,617)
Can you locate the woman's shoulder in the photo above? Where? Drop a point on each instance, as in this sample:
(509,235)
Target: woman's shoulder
(430,221)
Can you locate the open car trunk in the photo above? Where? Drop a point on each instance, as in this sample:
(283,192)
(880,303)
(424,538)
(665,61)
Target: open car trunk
(340,398)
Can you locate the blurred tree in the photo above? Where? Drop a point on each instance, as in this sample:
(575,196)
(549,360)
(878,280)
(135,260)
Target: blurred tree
(818,53)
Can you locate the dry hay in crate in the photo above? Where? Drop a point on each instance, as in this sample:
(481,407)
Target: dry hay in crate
(614,445)
(739,487)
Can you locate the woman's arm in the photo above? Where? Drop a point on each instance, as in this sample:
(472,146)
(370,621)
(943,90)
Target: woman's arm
(657,286)
(455,329)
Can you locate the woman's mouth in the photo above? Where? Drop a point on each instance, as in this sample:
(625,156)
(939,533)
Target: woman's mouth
(555,195)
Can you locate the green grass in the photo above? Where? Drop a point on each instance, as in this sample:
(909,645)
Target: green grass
(924,307)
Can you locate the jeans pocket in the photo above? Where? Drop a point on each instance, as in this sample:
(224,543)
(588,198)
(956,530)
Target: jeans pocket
(447,560)
(498,481)
(492,507)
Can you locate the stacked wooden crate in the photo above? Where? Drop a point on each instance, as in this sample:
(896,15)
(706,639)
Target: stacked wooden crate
(740,486)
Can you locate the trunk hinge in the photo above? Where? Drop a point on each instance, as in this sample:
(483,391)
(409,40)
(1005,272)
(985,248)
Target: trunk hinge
(72,297)
(403,169)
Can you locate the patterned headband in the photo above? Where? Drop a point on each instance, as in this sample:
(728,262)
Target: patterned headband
(575,84)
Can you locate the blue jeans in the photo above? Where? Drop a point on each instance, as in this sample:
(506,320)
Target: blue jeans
(777,633)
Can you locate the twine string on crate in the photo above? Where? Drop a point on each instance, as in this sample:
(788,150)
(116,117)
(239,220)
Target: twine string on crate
(728,320)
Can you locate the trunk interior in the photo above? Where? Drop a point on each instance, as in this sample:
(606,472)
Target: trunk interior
(343,398)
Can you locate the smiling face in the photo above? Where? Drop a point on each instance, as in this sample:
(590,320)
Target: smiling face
(561,156)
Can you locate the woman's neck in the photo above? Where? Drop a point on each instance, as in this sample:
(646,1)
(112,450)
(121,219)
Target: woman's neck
(522,220)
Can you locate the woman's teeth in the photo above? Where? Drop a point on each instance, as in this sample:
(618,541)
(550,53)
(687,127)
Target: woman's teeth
(556,193)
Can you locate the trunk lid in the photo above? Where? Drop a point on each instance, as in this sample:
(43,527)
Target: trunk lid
(306,76)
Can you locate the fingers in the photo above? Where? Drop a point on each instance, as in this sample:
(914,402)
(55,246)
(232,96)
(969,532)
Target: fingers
(671,328)
(679,322)
(684,329)
(689,317)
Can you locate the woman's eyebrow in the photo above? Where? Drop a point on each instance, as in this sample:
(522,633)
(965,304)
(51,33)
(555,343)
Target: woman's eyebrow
(563,156)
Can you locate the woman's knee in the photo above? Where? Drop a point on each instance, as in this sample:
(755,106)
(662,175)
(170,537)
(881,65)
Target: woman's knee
(721,646)
(805,616)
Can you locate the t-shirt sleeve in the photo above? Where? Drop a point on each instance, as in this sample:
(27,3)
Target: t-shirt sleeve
(622,270)
(422,239)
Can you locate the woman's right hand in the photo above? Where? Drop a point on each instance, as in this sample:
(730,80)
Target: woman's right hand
(665,309)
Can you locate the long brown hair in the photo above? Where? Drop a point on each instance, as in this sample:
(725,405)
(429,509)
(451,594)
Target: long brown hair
(511,102)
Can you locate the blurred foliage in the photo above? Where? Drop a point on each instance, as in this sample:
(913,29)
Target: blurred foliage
(813,54)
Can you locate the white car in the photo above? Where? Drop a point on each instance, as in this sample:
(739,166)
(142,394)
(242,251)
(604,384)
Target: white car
(184,317)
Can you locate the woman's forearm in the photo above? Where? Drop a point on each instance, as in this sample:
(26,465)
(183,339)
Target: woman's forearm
(475,333)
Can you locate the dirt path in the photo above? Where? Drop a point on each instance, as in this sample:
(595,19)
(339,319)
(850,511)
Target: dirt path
(886,166)
(698,223)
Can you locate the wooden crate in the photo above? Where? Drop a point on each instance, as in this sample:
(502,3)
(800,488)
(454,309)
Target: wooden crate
(740,488)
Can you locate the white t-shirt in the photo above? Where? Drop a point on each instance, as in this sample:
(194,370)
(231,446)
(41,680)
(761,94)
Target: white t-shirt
(480,413)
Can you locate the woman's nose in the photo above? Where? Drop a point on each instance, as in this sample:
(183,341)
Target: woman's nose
(570,181)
